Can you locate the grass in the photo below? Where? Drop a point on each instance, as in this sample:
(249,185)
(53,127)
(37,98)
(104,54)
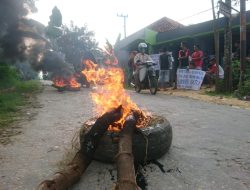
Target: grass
(13,96)
(224,94)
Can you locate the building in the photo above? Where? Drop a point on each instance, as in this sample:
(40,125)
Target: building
(168,33)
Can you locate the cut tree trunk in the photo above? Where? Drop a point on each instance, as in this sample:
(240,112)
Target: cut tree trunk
(126,179)
(64,179)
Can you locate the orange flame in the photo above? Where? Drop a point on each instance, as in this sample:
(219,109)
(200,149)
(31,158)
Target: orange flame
(59,81)
(110,92)
(73,83)
(62,82)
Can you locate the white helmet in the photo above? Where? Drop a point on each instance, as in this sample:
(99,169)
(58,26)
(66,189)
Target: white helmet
(142,47)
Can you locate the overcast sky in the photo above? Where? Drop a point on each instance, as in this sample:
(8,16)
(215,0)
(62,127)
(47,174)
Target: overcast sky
(101,15)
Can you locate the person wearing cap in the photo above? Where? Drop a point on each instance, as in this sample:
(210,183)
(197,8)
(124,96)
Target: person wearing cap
(212,70)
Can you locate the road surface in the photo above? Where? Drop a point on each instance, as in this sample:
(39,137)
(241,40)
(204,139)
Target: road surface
(210,149)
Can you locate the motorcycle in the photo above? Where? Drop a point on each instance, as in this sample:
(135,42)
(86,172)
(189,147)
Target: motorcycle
(146,78)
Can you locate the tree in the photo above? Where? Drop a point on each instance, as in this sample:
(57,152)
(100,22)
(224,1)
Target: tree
(216,44)
(53,28)
(228,51)
(55,18)
(75,42)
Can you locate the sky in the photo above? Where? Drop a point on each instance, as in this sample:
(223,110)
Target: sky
(101,17)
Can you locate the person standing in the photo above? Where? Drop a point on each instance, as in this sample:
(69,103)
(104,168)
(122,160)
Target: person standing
(164,69)
(131,67)
(171,68)
(183,58)
(197,58)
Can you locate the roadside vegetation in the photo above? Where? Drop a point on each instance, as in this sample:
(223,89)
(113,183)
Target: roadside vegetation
(237,91)
(14,93)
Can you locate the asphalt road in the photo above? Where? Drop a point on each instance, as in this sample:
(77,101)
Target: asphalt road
(210,149)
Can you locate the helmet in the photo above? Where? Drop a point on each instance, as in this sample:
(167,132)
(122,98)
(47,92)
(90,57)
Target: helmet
(142,47)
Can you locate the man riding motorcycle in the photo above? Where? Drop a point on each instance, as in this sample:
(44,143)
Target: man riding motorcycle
(141,60)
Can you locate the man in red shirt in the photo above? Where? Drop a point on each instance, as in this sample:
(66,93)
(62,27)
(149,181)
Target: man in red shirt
(197,58)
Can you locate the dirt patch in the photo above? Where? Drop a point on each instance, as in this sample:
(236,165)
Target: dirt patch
(201,95)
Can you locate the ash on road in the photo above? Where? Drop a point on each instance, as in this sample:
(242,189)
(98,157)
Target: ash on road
(210,149)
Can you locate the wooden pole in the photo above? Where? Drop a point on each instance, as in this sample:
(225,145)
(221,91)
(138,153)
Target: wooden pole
(65,179)
(216,46)
(126,179)
(228,51)
(242,41)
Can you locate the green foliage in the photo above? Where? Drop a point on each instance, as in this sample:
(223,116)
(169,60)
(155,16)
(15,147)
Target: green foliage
(220,87)
(28,86)
(13,93)
(8,76)
(224,94)
(53,31)
(235,73)
(74,42)
(245,89)
(55,18)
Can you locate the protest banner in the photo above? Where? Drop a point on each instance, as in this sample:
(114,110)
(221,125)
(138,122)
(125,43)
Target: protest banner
(189,78)
(155,58)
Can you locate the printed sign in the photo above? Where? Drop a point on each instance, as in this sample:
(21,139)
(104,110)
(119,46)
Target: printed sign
(155,58)
(225,9)
(190,79)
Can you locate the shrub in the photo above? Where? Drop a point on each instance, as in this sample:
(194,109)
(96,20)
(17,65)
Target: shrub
(8,76)
(235,73)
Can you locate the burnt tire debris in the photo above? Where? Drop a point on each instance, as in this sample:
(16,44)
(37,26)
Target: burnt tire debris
(149,143)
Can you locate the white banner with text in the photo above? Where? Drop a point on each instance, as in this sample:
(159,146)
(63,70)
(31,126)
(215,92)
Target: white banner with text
(190,78)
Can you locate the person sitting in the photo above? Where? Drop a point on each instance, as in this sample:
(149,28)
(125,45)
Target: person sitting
(212,71)
(140,58)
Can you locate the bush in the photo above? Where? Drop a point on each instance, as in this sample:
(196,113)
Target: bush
(235,73)
(28,86)
(8,76)
(220,88)
(13,93)
(245,89)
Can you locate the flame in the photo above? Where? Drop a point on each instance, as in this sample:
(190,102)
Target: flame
(59,81)
(73,83)
(69,82)
(109,93)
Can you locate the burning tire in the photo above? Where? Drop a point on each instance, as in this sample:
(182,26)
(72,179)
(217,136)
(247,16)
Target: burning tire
(149,143)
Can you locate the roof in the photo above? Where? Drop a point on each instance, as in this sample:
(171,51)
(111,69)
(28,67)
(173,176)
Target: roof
(164,24)
(148,34)
(199,29)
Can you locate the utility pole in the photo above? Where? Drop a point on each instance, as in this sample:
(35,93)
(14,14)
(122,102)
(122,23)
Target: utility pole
(124,22)
(228,50)
(242,40)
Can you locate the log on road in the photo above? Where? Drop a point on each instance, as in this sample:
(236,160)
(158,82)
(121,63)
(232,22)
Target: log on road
(64,179)
(126,179)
